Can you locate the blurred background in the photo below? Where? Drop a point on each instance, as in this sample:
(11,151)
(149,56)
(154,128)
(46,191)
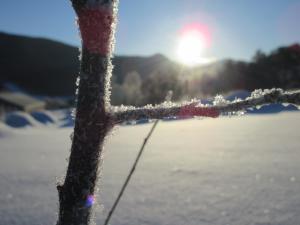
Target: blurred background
(194,48)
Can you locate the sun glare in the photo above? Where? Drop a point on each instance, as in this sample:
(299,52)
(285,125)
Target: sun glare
(191,45)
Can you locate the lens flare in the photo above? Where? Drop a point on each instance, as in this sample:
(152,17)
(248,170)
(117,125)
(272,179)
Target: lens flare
(194,39)
(90,200)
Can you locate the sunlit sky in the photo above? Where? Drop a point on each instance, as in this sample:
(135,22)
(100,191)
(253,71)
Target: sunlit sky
(237,27)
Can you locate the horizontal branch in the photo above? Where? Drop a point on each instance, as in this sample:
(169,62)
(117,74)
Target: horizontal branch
(195,108)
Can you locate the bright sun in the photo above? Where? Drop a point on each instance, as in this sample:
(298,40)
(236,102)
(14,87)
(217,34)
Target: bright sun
(192,44)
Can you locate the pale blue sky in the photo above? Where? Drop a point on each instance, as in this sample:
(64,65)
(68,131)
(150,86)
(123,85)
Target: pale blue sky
(238,27)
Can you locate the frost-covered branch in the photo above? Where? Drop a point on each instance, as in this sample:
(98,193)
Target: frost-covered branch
(195,108)
(260,98)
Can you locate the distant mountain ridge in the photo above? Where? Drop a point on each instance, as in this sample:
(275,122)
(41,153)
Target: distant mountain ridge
(46,67)
(39,66)
(42,66)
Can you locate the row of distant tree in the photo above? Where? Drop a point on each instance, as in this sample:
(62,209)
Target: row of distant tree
(280,68)
(152,89)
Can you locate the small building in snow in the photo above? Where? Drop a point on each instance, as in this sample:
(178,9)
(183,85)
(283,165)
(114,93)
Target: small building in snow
(20,101)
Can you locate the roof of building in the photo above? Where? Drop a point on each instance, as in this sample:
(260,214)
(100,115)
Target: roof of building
(21,101)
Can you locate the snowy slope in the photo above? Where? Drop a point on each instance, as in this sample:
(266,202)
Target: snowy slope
(235,171)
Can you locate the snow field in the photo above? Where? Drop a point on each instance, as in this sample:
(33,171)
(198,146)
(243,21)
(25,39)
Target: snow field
(235,171)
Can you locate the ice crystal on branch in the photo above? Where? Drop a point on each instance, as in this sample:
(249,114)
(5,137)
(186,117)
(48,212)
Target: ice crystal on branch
(195,108)
(220,101)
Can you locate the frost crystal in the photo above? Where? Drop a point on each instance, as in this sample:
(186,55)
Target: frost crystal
(220,101)
(257,93)
(77,81)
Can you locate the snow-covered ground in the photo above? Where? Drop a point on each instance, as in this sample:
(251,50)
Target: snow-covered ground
(226,171)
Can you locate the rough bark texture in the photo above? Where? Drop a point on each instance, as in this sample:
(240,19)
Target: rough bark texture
(92,121)
(91,126)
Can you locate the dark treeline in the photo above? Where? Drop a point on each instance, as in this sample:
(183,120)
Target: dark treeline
(48,68)
(280,69)
(152,89)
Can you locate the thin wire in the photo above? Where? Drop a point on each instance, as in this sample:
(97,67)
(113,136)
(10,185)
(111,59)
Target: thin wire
(130,174)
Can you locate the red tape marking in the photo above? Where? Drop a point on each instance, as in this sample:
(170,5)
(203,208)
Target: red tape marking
(95,27)
(192,110)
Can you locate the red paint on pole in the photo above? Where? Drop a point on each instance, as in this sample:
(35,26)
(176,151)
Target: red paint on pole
(95,27)
(192,110)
